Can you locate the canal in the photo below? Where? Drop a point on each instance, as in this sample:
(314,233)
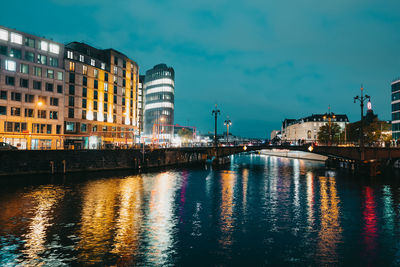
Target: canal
(259,210)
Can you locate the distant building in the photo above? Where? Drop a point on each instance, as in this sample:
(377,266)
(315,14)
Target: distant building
(396,109)
(306,129)
(159,91)
(31,91)
(140,103)
(275,134)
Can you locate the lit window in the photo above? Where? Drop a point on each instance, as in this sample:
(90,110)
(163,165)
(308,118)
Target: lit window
(70,55)
(115,70)
(3,35)
(106,87)
(96,73)
(54,48)
(81,58)
(44,45)
(103,66)
(11,65)
(84,70)
(92,62)
(16,38)
(59,76)
(72,66)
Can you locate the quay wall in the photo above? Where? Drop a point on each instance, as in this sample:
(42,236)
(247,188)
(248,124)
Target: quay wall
(16,162)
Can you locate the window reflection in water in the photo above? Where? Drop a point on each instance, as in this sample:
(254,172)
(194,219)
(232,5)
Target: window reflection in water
(388,210)
(330,233)
(43,202)
(160,219)
(97,219)
(226,221)
(129,219)
(310,200)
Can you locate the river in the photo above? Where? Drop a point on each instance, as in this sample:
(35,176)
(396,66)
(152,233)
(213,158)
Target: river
(259,210)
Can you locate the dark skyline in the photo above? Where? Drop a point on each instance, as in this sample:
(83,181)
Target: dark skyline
(261,62)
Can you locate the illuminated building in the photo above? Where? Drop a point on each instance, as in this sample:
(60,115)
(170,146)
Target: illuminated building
(159,102)
(140,103)
(306,129)
(100,97)
(396,109)
(31,91)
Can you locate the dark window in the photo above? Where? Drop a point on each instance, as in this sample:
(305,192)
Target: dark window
(84,81)
(95,94)
(15,111)
(53,115)
(84,114)
(115,60)
(95,105)
(41,114)
(29,56)
(3,110)
(95,116)
(123,82)
(72,77)
(30,42)
(124,64)
(29,112)
(48,128)
(49,87)
(115,100)
(124,73)
(10,80)
(59,89)
(84,103)
(15,53)
(15,96)
(115,89)
(105,97)
(96,84)
(37,85)
(3,95)
(84,92)
(105,107)
(3,49)
(53,62)
(41,59)
(106,76)
(71,101)
(29,98)
(53,101)
(71,89)
(58,129)
(23,83)
(83,127)
(123,101)
(70,113)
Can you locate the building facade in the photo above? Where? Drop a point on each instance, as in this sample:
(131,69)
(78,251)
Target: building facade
(100,97)
(396,109)
(159,92)
(31,91)
(306,129)
(140,103)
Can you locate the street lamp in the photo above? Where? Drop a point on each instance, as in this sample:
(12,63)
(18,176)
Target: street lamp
(215,112)
(330,115)
(362,98)
(228,123)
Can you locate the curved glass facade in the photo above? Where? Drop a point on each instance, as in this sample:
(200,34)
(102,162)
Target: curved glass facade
(159,94)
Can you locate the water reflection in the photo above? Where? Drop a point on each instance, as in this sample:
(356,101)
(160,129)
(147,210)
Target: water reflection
(160,220)
(129,219)
(227,205)
(330,233)
(310,200)
(370,222)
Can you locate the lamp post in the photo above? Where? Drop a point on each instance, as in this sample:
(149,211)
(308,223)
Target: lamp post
(228,123)
(330,115)
(215,112)
(362,98)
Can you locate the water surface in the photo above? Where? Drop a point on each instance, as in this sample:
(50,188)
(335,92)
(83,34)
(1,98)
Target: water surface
(260,210)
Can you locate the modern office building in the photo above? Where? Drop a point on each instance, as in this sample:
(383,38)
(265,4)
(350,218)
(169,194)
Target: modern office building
(31,91)
(140,103)
(396,109)
(100,97)
(159,102)
(306,129)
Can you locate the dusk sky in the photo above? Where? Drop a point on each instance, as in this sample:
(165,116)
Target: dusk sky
(260,61)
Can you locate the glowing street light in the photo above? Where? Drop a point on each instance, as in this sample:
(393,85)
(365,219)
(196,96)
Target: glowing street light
(362,98)
(228,123)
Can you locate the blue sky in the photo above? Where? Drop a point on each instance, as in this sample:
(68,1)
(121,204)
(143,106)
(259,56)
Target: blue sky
(261,61)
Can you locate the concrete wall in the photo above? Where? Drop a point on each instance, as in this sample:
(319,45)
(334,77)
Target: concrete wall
(48,161)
